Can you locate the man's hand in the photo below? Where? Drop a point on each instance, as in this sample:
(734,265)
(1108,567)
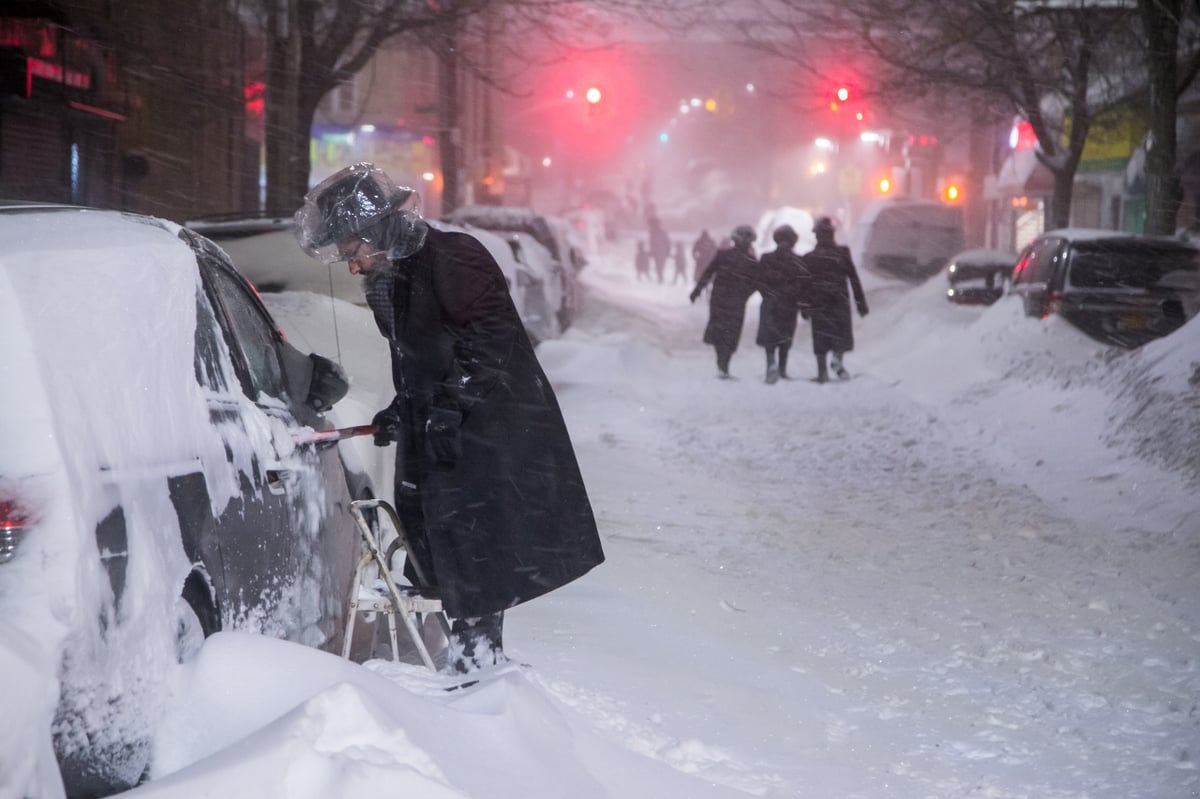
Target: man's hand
(694,295)
(443,436)
(862,308)
(387,426)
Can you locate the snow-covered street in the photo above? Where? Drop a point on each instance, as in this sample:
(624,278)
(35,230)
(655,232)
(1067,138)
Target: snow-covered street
(951,576)
(934,580)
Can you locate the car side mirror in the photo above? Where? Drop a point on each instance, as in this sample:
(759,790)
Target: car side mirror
(328,384)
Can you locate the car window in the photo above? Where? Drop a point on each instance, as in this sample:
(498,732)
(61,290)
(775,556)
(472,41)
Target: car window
(1038,262)
(255,337)
(208,348)
(1130,266)
(1021,272)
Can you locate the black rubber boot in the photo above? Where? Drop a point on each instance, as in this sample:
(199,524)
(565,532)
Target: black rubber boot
(838,368)
(723,364)
(822,370)
(476,643)
(783,356)
(772,372)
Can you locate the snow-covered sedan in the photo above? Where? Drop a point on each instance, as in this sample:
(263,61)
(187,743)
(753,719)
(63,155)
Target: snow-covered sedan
(157,484)
(549,307)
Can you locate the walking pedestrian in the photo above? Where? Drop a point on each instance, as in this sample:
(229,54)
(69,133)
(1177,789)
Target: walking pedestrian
(733,273)
(487,484)
(680,265)
(641,261)
(703,251)
(782,284)
(827,300)
(660,247)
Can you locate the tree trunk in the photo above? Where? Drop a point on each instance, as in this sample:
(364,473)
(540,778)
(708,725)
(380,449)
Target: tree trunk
(286,142)
(1161,21)
(1058,215)
(449,137)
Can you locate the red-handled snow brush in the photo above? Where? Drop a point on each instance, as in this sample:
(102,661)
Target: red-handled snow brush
(330,436)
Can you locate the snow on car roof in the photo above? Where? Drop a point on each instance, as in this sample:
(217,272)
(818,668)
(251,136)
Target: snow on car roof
(984,257)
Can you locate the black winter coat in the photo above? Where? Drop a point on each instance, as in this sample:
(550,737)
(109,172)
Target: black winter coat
(783,278)
(734,276)
(703,251)
(827,299)
(510,519)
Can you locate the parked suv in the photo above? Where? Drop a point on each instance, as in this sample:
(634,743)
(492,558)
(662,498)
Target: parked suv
(1119,289)
(157,480)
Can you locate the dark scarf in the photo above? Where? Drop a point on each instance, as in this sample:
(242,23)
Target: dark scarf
(379,286)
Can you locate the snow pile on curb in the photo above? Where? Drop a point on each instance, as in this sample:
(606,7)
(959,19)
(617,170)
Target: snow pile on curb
(1156,410)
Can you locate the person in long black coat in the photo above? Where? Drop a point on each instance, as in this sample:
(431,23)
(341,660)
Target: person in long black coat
(734,276)
(487,484)
(827,299)
(703,251)
(782,284)
(660,247)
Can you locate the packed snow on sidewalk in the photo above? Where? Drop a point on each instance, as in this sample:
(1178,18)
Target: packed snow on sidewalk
(969,571)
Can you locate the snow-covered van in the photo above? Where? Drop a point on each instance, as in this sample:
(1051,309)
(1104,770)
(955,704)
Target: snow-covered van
(907,238)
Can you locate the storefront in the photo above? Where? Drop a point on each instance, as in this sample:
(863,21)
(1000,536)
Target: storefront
(60,106)
(1018,194)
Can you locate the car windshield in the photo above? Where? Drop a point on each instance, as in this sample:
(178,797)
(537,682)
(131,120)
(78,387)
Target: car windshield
(1130,266)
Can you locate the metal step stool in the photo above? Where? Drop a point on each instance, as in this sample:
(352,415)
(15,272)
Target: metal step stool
(412,603)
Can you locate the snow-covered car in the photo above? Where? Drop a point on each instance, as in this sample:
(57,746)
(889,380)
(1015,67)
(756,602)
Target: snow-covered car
(158,480)
(264,249)
(1118,288)
(978,277)
(547,306)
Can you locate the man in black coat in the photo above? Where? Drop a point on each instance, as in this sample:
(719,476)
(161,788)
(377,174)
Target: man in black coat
(703,251)
(783,281)
(827,300)
(660,247)
(734,276)
(487,485)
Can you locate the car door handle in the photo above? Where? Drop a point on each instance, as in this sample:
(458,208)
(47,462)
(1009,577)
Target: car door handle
(278,479)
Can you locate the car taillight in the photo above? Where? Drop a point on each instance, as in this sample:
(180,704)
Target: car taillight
(14,520)
(1052,304)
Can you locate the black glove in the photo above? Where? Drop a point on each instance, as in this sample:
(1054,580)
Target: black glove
(694,295)
(443,437)
(862,308)
(387,426)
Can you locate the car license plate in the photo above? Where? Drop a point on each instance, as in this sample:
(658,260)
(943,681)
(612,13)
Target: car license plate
(1135,321)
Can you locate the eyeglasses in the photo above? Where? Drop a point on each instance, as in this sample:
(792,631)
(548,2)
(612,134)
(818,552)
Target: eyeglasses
(350,253)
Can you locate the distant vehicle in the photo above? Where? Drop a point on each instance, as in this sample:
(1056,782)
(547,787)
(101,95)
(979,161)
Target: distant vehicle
(547,311)
(978,277)
(906,238)
(157,480)
(1118,288)
(264,249)
(552,234)
(800,220)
